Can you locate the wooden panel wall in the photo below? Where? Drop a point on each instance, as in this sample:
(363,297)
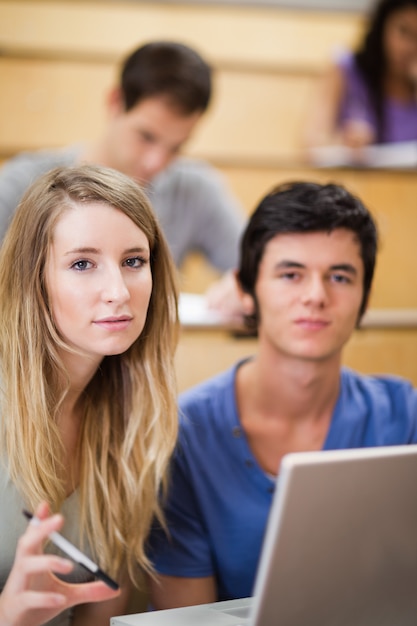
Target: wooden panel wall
(370,350)
(242,36)
(59,58)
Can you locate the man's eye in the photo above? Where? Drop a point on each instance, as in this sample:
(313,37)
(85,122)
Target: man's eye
(289,275)
(341,278)
(146,137)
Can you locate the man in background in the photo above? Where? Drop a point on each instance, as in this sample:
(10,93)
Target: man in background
(164,90)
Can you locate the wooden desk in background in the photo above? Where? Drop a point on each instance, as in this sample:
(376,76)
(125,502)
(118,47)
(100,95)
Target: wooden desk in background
(386,344)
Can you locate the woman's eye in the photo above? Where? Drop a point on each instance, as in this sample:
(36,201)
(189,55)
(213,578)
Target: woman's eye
(81,265)
(135,262)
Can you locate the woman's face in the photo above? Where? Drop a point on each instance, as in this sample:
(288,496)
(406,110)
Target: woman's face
(400,42)
(98,279)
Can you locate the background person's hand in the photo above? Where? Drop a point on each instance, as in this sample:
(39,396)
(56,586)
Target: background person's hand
(32,594)
(357,133)
(223,297)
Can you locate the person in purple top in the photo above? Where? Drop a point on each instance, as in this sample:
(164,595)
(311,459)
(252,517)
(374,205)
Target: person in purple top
(305,274)
(370,96)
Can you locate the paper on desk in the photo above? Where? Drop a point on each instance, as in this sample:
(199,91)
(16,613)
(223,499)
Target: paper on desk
(193,311)
(402,154)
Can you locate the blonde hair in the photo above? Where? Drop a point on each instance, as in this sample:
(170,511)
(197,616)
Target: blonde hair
(130,415)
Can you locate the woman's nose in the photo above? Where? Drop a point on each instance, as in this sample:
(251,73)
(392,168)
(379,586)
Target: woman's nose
(114,287)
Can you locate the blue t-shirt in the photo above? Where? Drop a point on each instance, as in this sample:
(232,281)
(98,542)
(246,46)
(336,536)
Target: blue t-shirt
(220,497)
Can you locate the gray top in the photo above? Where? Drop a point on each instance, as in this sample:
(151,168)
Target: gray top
(13,525)
(194,206)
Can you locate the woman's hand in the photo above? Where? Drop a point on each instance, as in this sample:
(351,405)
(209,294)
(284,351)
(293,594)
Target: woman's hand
(32,594)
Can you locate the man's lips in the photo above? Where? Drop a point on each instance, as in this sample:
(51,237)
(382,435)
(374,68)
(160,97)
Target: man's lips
(311,323)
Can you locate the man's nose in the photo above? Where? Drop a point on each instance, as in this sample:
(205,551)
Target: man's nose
(315,291)
(156,160)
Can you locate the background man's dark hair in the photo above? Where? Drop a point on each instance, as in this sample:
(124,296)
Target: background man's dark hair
(168,69)
(304,207)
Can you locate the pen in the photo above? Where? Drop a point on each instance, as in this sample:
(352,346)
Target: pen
(74,553)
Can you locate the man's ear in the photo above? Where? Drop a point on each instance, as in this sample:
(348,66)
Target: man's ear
(115,102)
(246,300)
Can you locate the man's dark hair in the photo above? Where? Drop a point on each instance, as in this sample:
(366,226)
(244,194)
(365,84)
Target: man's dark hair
(305,207)
(168,69)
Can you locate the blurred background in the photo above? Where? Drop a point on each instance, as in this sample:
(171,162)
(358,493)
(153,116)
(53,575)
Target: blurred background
(59,59)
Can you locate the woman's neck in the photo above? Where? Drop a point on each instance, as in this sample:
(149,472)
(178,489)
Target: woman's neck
(399,88)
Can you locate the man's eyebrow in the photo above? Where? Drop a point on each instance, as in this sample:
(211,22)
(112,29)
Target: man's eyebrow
(345,267)
(340,267)
(286,263)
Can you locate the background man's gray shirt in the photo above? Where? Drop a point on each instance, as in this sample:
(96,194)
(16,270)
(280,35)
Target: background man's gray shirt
(194,207)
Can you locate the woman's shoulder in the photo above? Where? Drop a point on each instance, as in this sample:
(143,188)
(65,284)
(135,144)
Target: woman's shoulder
(343,59)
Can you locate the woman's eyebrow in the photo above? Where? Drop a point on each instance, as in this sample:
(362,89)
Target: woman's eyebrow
(92,250)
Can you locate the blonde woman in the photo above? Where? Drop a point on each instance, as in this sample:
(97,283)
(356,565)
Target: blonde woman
(88,309)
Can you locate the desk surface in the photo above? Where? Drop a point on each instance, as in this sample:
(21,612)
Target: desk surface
(386,343)
(194,313)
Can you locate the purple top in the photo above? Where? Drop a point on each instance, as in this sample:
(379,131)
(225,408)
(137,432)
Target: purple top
(400,117)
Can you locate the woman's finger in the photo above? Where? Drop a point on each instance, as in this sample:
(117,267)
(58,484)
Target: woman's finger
(43,510)
(30,600)
(83,593)
(37,532)
(45,563)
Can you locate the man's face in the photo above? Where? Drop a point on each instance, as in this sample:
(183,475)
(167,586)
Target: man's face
(144,140)
(309,291)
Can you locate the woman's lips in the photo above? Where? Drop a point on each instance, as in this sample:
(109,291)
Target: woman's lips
(114,323)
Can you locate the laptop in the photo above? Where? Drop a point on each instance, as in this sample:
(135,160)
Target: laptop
(340,547)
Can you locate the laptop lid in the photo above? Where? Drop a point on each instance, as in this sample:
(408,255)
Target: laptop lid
(341,542)
(340,547)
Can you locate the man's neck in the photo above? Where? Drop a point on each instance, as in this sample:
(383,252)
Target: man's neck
(291,388)
(285,405)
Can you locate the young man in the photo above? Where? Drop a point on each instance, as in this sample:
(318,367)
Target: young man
(306,268)
(164,90)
